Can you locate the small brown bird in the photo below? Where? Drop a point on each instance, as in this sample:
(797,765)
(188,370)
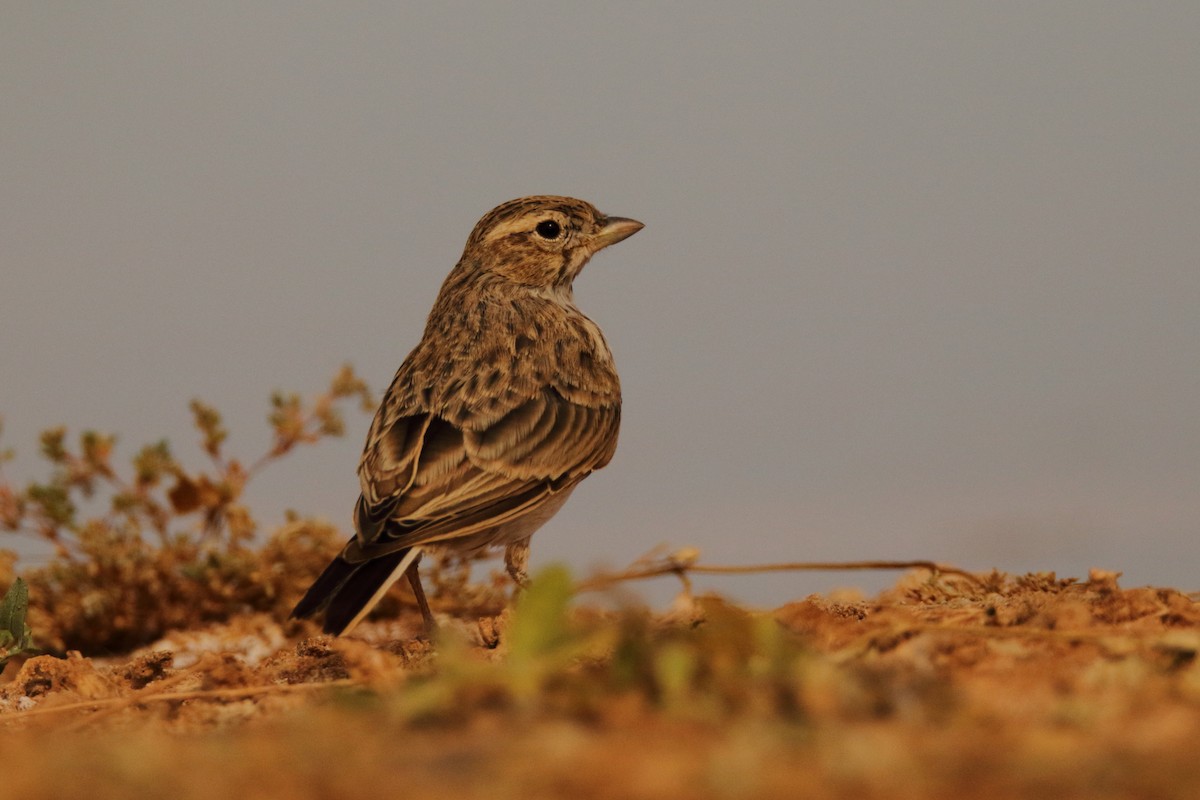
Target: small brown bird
(508,402)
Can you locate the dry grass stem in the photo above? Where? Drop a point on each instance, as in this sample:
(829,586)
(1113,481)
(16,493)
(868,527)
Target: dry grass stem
(682,567)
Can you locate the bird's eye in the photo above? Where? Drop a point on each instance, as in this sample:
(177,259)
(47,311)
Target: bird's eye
(548,229)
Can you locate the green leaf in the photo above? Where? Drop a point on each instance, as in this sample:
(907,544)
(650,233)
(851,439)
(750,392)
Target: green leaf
(539,637)
(55,502)
(540,618)
(52,444)
(208,421)
(152,461)
(13,608)
(675,669)
(14,633)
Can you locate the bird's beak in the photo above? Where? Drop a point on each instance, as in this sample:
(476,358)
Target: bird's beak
(615,229)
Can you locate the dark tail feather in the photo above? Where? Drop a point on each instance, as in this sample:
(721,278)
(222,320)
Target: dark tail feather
(357,597)
(345,591)
(324,588)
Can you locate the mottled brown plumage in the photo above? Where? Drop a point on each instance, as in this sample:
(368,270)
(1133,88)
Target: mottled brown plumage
(510,399)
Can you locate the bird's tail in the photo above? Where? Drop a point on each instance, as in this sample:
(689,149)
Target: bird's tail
(346,592)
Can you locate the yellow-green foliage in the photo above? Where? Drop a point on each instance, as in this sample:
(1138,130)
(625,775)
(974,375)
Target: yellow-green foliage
(718,661)
(15,637)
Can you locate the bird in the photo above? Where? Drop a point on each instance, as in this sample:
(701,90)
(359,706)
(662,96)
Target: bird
(509,400)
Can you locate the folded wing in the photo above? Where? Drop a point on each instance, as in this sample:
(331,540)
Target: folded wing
(425,480)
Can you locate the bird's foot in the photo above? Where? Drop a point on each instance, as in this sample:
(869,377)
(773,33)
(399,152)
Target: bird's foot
(516,561)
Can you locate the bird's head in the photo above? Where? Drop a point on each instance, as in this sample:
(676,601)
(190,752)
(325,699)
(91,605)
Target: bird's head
(543,241)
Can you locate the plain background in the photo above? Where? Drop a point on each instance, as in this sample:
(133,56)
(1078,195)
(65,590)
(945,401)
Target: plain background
(917,280)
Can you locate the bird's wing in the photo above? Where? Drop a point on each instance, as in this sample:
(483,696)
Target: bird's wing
(427,480)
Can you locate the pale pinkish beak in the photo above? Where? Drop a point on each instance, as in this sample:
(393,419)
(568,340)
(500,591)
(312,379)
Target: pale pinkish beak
(615,229)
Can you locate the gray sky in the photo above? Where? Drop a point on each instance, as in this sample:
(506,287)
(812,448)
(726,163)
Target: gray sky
(917,280)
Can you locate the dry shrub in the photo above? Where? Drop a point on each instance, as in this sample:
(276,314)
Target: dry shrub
(162,547)
(120,591)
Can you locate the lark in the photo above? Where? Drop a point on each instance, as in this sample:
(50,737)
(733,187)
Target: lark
(510,399)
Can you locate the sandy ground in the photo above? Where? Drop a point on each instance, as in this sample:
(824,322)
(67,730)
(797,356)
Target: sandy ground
(942,686)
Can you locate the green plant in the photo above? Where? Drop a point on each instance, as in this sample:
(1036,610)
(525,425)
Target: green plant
(15,636)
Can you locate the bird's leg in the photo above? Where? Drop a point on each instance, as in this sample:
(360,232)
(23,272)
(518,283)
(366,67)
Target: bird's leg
(516,559)
(414,579)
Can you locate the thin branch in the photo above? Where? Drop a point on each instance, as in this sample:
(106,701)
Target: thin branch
(682,568)
(283,445)
(126,701)
(160,696)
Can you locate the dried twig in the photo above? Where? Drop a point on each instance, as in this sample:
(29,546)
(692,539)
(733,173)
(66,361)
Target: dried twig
(113,704)
(682,566)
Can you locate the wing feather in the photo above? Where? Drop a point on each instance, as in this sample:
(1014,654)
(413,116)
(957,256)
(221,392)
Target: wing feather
(455,483)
